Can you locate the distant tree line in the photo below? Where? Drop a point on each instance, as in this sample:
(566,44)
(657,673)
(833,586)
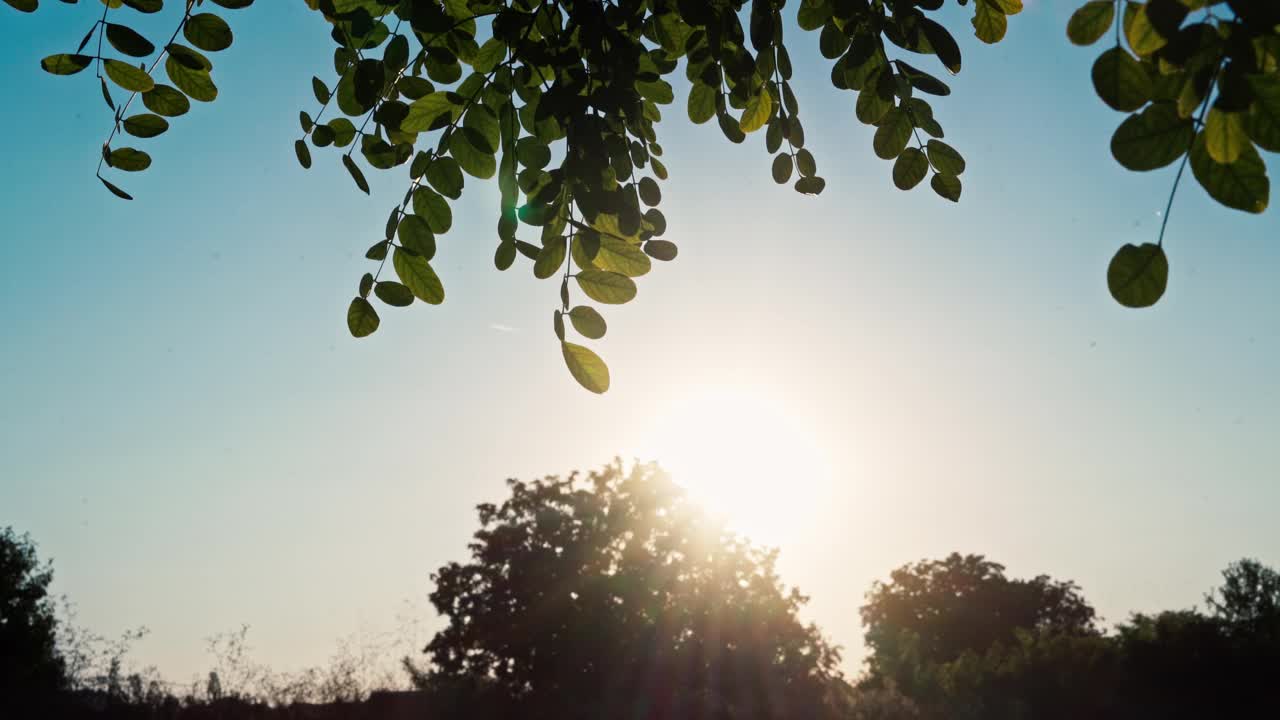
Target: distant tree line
(612,595)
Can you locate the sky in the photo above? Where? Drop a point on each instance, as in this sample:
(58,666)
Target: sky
(190,433)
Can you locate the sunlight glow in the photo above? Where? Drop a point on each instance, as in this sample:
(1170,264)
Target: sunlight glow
(746,457)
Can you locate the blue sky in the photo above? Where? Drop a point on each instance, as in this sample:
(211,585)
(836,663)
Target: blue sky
(188,430)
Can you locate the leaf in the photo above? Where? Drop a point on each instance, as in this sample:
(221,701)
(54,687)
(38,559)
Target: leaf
(393,293)
(426,111)
(416,272)
(164,100)
(805,164)
(588,322)
(65,63)
(586,367)
(366,284)
(782,166)
(481,125)
(989,24)
(25,6)
(1138,275)
(415,234)
(944,158)
(362,319)
(127,41)
(1242,185)
(559,325)
(1263,121)
(550,258)
(127,76)
(145,125)
(303,152)
(607,287)
(947,186)
(892,134)
(943,44)
(621,257)
(1121,81)
(1091,21)
(320,90)
(445,176)
(188,58)
(910,169)
(1224,135)
(115,190)
(207,32)
(702,103)
(1143,37)
(758,111)
(434,208)
(356,175)
(1152,138)
(810,185)
(197,84)
(475,161)
(664,250)
(129,159)
(505,255)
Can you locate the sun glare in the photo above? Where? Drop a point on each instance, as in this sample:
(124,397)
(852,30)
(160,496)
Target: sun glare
(745,457)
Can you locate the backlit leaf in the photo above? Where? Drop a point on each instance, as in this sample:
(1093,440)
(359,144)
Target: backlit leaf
(1138,275)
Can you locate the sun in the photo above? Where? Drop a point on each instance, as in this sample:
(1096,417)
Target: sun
(745,456)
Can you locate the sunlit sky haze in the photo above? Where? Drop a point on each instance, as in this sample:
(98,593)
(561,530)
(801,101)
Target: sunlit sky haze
(863,378)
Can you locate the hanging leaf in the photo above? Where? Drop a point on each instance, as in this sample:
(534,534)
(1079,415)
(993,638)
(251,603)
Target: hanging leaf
(393,293)
(356,174)
(947,186)
(1091,21)
(782,165)
(1224,135)
(1138,275)
(164,100)
(416,272)
(145,125)
(127,41)
(207,32)
(588,322)
(910,168)
(1121,81)
(1152,138)
(115,190)
(944,158)
(1242,185)
(362,319)
(303,152)
(197,84)
(129,159)
(607,287)
(65,64)
(892,134)
(586,367)
(128,76)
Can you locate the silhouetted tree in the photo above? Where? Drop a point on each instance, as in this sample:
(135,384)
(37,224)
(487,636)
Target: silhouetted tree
(614,596)
(30,669)
(932,612)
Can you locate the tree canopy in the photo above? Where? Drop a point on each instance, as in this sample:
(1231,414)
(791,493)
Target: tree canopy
(30,667)
(561,101)
(612,595)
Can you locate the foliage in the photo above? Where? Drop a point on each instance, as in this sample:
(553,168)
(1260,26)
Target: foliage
(29,663)
(561,100)
(616,591)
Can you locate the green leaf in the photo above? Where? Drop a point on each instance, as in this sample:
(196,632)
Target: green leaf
(621,257)
(505,255)
(197,84)
(320,90)
(303,152)
(475,161)
(1120,80)
(65,63)
(892,134)
(1224,135)
(702,103)
(426,112)
(415,234)
(24,5)
(782,166)
(533,153)
(758,111)
(164,100)
(366,284)
(1091,21)
(1242,185)
(947,186)
(607,287)
(207,32)
(393,293)
(559,325)
(650,193)
(664,250)
(550,258)
(129,159)
(586,367)
(1138,275)
(944,158)
(127,76)
(656,91)
(115,190)
(127,41)
(588,322)
(872,106)
(416,272)
(189,58)
(910,169)
(445,176)
(145,125)
(989,23)
(430,205)
(1138,30)
(943,44)
(1152,138)
(810,185)
(481,125)
(362,319)
(1263,121)
(356,174)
